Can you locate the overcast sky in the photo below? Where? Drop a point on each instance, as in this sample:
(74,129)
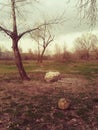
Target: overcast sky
(46,9)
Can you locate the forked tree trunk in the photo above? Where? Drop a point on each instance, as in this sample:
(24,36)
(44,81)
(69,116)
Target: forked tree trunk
(18,60)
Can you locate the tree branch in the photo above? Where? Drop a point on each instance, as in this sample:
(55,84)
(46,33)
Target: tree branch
(28,31)
(51,22)
(8,32)
(88,9)
(49,41)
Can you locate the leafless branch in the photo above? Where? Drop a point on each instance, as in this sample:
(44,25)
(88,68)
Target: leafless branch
(56,21)
(8,32)
(88,10)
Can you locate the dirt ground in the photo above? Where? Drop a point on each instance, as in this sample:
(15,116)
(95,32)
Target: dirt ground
(14,92)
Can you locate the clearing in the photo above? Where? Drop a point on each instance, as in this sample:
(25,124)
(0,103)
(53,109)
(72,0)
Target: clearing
(32,105)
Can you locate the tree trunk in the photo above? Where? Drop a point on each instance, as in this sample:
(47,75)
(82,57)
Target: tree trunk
(18,60)
(41,56)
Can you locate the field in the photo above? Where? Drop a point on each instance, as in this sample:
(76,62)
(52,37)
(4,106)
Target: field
(32,105)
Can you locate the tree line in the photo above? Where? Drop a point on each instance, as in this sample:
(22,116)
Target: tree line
(85,47)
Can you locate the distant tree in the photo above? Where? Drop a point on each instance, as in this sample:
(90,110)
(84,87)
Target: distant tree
(58,49)
(58,53)
(30,54)
(30,51)
(66,55)
(85,45)
(43,37)
(61,53)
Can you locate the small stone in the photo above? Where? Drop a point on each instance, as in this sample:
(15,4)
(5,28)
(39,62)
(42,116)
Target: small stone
(72,121)
(63,104)
(28,128)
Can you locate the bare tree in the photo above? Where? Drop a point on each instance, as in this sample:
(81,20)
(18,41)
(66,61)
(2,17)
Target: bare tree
(43,37)
(58,53)
(66,55)
(88,9)
(85,45)
(15,35)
